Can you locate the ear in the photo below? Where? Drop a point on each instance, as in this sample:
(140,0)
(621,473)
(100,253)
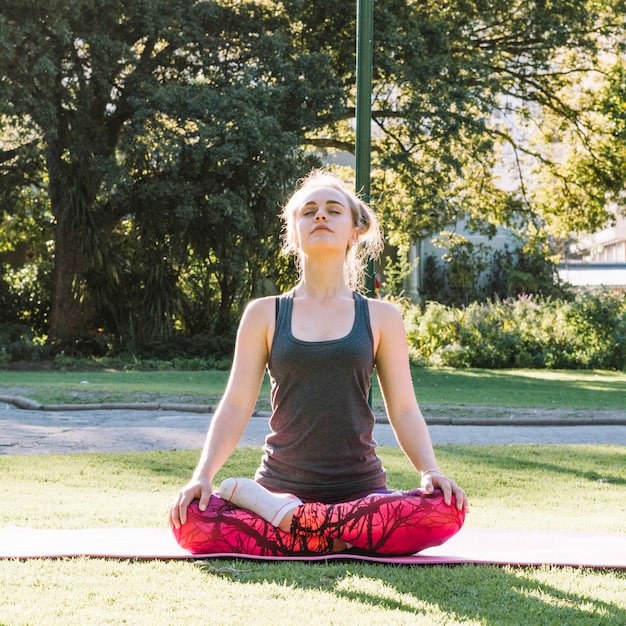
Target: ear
(355,236)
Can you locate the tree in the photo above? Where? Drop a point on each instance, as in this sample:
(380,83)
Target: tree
(169,130)
(463,89)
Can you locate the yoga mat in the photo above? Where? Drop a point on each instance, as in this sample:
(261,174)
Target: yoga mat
(470,545)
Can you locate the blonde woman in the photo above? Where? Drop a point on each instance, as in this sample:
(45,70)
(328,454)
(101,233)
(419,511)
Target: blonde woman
(320,487)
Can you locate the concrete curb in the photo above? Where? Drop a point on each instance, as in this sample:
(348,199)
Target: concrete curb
(21,403)
(26,403)
(525,421)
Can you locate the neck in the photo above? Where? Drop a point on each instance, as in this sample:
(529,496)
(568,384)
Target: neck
(323,280)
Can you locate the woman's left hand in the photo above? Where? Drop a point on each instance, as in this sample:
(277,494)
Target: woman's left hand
(433,480)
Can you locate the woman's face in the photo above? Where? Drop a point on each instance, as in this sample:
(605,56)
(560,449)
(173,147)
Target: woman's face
(323,221)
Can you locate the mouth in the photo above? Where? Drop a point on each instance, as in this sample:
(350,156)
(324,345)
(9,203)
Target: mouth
(317,228)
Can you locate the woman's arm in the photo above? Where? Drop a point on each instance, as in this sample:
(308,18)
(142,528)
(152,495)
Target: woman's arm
(235,409)
(394,375)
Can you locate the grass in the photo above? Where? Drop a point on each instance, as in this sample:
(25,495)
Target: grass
(571,389)
(522,486)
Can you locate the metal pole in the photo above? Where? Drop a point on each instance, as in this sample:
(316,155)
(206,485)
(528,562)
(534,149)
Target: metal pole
(364,37)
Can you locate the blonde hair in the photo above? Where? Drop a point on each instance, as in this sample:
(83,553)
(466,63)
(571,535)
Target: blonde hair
(370,243)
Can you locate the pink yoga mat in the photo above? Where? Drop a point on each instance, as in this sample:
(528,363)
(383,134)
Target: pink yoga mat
(470,545)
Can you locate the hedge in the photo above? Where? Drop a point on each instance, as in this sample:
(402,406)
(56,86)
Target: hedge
(585,332)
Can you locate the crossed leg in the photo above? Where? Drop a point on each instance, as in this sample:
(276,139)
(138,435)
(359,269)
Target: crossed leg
(224,528)
(382,524)
(379,524)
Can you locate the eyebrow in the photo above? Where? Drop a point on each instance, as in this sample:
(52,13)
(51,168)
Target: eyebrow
(329,202)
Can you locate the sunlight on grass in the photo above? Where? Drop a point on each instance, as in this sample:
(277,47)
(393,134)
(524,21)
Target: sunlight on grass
(439,386)
(380,592)
(521,486)
(598,381)
(110,385)
(522,388)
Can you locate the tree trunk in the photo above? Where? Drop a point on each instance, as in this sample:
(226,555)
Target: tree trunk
(70,318)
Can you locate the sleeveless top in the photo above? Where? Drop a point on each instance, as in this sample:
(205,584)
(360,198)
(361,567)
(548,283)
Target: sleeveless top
(321,445)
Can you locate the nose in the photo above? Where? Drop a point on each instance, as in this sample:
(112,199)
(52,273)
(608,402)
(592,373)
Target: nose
(321,216)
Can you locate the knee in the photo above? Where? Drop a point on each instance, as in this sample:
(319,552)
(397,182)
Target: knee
(457,514)
(447,514)
(194,534)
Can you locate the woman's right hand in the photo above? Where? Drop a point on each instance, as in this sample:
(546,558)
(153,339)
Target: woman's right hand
(194,490)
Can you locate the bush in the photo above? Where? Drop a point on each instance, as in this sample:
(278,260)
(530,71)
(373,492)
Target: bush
(587,332)
(24,295)
(469,274)
(18,345)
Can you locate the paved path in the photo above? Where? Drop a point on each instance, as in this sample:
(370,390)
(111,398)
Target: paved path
(62,431)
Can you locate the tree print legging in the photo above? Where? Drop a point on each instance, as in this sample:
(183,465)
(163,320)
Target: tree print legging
(388,524)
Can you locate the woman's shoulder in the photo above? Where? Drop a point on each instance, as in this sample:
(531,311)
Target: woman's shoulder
(385,317)
(260,306)
(383,308)
(260,310)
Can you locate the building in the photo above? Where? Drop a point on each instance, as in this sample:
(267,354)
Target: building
(598,259)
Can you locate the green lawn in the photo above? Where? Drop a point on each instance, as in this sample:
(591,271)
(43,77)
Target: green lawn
(516,486)
(572,389)
(522,486)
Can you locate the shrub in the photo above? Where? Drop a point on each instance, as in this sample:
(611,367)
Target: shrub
(467,274)
(587,332)
(17,343)
(24,295)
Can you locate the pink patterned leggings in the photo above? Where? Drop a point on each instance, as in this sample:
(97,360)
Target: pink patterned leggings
(389,524)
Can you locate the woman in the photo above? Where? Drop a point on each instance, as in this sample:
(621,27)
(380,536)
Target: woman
(320,487)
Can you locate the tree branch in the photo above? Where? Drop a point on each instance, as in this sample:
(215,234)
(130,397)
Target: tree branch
(327,142)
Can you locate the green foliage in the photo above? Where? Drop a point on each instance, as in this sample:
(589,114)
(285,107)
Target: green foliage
(465,262)
(151,142)
(200,353)
(397,270)
(28,292)
(165,156)
(482,81)
(469,273)
(586,332)
(17,343)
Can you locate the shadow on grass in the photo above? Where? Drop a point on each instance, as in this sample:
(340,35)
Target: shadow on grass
(481,594)
(484,594)
(469,464)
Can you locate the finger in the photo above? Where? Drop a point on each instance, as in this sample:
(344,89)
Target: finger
(174,517)
(462,503)
(178,512)
(182,511)
(204,500)
(465,505)
(447,492)
(427,484)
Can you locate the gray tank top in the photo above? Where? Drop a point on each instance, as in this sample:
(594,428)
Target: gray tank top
(321,445)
